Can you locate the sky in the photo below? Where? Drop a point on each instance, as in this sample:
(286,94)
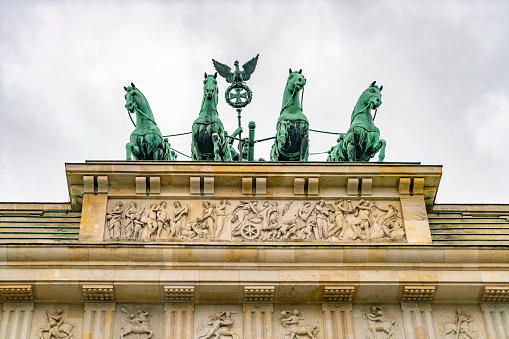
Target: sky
(444,66)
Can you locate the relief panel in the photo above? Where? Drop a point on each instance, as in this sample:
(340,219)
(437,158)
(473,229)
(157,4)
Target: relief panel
(378,321)
(138,321)
(255,220)
(218,321)
(52,321)
(458,321)
(298,321)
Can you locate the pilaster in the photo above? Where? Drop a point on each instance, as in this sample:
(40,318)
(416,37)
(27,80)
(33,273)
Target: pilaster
(178,320)
(98,321)
(258,321)
(338,321)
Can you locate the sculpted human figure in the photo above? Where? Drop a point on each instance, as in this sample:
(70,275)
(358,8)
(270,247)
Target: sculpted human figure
(339,219)
(247,210)
(460,326)
(115,218)
(179,219)
(322,220)
(303,214)
(220,324)
(188,232)
(130,216)
(162,219)
(221,215)
(378,323)
(290,320)
(138,224)
(208,218)
(56,327)
(152,220)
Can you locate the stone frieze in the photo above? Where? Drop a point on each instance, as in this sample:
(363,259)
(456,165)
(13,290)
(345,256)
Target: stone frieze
(255,220)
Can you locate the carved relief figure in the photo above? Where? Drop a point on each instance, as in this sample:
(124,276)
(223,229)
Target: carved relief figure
(179,220)
(221,216)
(290,320)
(460,327)
(378,323)
(133,223)
(219,326)
(115,219)
(56,327)
(322,220)
(162,219)
(137,323)
(208,219)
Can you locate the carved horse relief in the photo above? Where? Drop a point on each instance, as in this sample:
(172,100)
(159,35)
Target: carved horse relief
(292,138)
(209,141)
(146,141)
(362,141)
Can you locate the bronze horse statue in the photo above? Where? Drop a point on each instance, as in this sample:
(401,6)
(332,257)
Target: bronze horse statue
(362,141)
(292,138)
(209,140)
(146,141)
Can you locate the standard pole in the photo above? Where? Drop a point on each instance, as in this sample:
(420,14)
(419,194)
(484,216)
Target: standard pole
(250,154)
(239,111)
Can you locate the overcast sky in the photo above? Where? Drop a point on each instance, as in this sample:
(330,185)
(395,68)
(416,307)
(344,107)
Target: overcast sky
(444,66)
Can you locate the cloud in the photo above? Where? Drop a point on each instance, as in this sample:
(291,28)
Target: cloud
(443,65)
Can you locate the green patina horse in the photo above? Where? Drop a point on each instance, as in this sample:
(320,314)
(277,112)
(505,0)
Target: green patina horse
(146,141)
(209,141)
(362,141)
(292,138)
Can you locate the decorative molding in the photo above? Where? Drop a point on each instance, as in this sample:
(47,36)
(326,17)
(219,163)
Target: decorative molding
(495,294)
(16,292)
(298,186)
(102,184)
(338,293)
(194,185)
(313,186)
(208,185)
(261,186)
(98,292)
(352,187)
(141,185)
(404,186)
(418,293)
(155,185)
(179,293)
(258,293)
(247,186)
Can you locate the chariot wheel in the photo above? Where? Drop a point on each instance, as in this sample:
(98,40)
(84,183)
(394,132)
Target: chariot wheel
(249,231)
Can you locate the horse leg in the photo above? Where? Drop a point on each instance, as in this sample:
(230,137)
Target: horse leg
(128,148)
(304,146)
(350,146)
(381,156)
(217,149)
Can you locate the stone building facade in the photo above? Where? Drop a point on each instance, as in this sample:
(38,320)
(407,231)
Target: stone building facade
(253,250)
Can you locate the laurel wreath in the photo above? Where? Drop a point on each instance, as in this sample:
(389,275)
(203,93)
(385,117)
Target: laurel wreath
(241,104)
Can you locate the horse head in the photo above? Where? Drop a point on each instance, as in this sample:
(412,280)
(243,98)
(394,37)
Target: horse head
(134,99)
(210,89)
(372,96)
(295,82)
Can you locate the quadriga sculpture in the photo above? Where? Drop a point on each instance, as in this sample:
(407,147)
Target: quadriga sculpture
(292,138)
(362,141)
(146,141)
(209,141)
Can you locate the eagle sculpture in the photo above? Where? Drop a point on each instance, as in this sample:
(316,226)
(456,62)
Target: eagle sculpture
(237,75)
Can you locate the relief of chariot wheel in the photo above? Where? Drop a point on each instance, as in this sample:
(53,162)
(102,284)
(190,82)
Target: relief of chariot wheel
(238,95)
(249,231)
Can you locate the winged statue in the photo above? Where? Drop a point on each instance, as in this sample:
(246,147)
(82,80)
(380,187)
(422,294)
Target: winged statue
(237,75)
